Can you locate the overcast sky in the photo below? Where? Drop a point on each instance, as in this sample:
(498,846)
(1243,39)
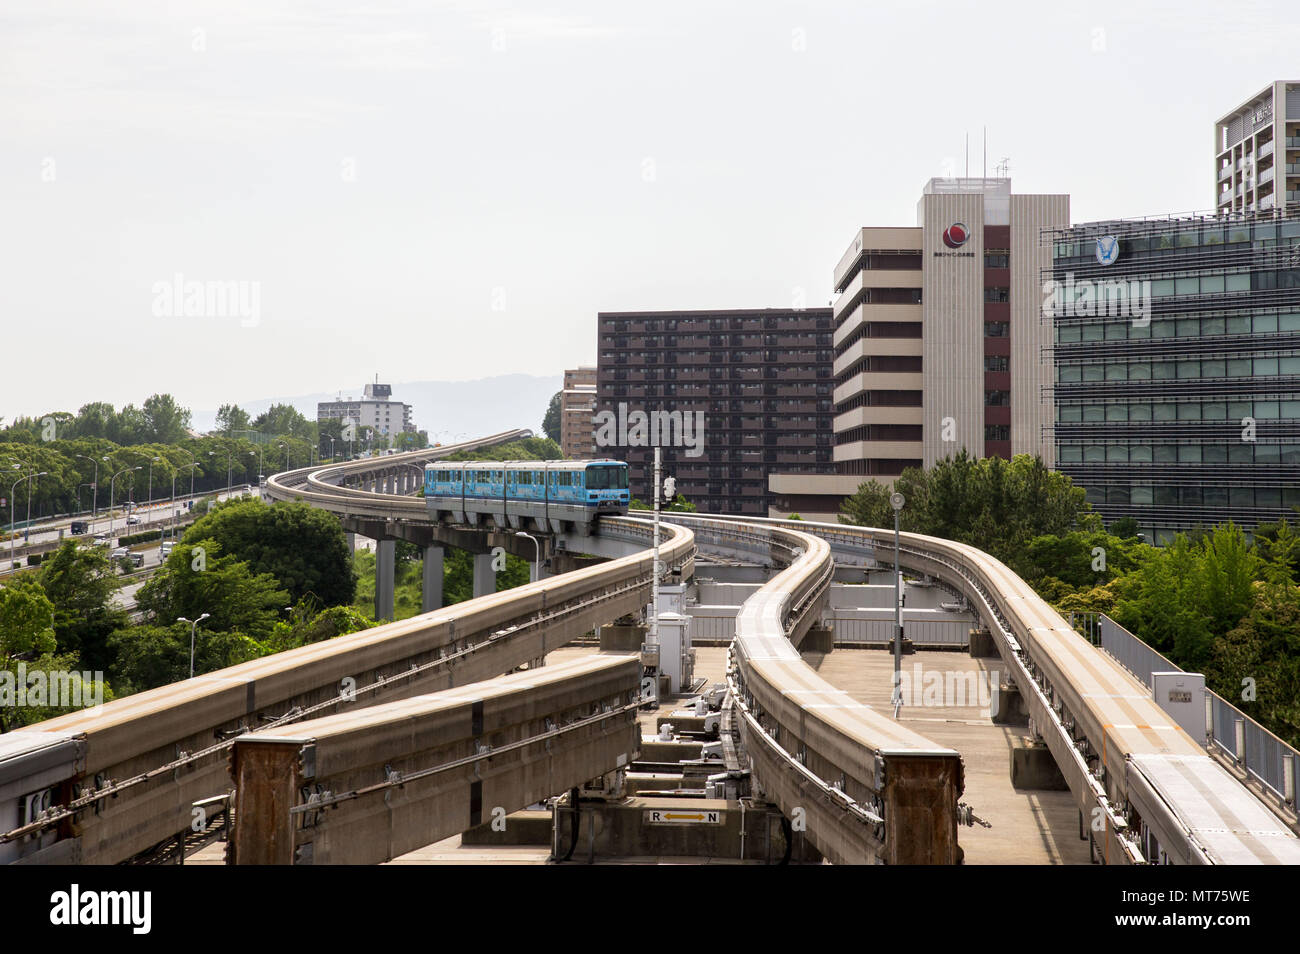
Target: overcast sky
(452,190)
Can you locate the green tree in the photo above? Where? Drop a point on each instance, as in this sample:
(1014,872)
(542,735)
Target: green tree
(304,548)
(551,420)
(1125,528)
(994,504)
(26,621)
(280,420)
(79,584)
(27,653)
(165,422)
(155,655)
(197,578)
(232,417)
(1263,652)
(94,420)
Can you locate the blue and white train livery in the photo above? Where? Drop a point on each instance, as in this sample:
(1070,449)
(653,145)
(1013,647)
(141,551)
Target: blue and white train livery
(547,495)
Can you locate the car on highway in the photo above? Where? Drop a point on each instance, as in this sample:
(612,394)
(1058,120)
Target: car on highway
(133,519)
(100,540)
(120,552)
(80,526)
(165,550)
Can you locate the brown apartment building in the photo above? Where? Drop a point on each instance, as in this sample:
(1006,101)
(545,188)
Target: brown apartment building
(577,404)
(731,397)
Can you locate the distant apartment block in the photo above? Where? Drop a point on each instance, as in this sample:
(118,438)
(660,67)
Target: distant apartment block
(375,409)
(939,341)
(577,404)
(757,382)
(1257,151)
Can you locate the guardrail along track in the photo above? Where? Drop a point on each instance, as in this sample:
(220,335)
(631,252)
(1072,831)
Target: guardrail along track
(365,787)
(1147,790)
(865,788)
(134,767)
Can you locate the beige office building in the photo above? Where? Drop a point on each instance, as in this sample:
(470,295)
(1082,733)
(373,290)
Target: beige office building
(939,340)
(1257,151)
(577,405)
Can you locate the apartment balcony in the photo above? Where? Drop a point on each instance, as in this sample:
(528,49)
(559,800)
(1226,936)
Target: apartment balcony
(1293,143)
(1225,173)
(1266,149)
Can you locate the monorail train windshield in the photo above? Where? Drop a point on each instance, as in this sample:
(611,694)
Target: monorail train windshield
(607,477)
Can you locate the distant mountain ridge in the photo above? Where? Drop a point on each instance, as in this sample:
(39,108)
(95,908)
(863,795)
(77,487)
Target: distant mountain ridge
(475,408)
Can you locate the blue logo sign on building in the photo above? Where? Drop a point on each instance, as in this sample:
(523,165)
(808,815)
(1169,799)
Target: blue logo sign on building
(1107,249)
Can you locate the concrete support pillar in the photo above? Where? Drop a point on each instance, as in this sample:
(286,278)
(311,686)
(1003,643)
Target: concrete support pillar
(352,543)
(431,595)
(385,571)
(485,579)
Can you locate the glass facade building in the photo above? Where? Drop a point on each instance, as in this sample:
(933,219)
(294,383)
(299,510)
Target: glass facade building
(1177,367)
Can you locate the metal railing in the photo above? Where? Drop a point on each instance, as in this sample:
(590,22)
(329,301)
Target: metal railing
(1254,749)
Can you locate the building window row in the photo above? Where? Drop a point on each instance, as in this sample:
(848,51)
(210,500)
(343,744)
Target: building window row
(1209,235)
(997,329)
(1233,453)
(1272,366)
(1244,497)
(1236,411)
(1191,327)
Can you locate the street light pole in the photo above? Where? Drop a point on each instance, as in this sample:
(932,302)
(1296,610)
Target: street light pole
(193,462)
(896,500)
(112,485)
(191,466)
(13,537)
(27,531)
(149,508)
(95,486)
(194,625)
(537,561)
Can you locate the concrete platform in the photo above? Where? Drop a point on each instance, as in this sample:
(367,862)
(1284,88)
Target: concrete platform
(1029,827)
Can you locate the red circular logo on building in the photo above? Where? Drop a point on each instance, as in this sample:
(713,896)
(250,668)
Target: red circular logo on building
(955,235)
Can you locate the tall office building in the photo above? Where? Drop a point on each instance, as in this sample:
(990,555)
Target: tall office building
(1177,366)
(577,404)
(730,396)
(939,341)
(1257,151)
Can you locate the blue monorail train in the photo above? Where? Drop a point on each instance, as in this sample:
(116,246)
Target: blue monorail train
(547,495)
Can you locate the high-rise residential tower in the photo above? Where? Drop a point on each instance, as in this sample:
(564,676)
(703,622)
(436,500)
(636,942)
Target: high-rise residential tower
(1257,151)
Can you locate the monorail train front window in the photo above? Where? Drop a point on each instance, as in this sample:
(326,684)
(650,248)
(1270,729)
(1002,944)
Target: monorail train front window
(607,478)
